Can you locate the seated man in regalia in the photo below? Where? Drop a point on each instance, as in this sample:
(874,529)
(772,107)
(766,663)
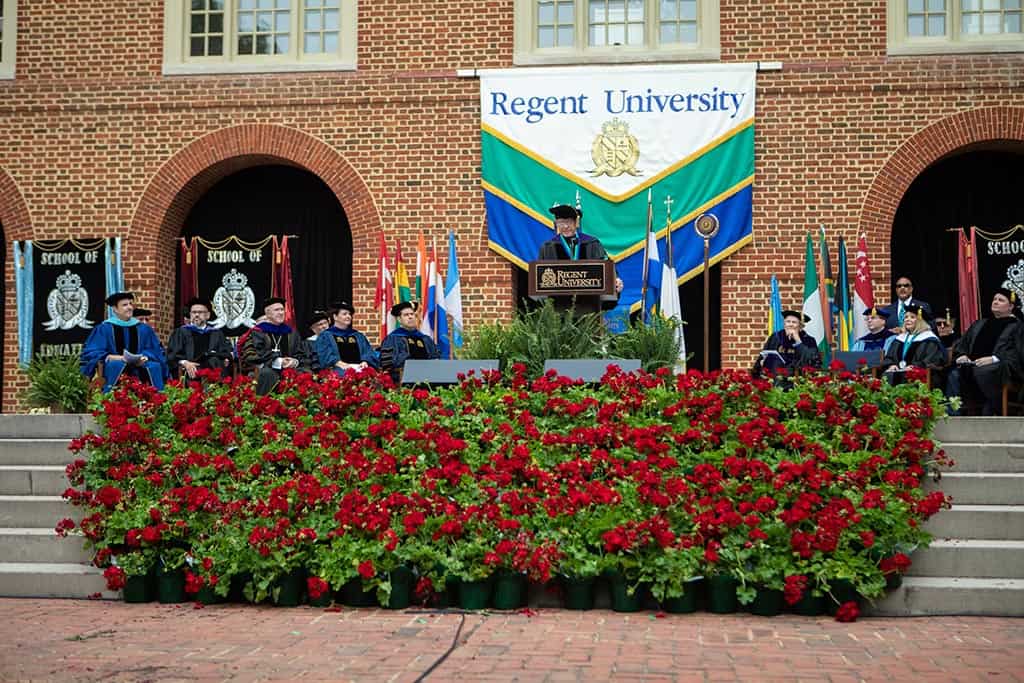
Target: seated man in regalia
(198,346)
(405,342)
(124,346)
(272,347)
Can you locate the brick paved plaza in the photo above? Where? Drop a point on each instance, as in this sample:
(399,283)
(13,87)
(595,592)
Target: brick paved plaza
(69,640)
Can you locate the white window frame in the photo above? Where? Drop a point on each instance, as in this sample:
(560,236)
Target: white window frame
(525,51)
(900,43)
(9,49)
(178,61)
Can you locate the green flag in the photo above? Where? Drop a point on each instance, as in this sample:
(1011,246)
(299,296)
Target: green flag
(812,299)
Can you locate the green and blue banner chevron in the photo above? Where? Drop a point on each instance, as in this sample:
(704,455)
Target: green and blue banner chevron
(609,134)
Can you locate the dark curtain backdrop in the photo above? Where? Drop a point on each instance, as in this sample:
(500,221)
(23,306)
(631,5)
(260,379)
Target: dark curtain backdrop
(691,299)
(980,188)
(282,200)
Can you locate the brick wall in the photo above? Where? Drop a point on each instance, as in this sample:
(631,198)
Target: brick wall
(94,141)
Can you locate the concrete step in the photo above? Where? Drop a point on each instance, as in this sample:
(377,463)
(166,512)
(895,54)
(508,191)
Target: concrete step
(42,545)
(37,480)
(985,457)
(997,522)
(35,511)
(51,580)
(13,426)
(980,429)
(981,488)
(938,595)
(36,452)
(975,558)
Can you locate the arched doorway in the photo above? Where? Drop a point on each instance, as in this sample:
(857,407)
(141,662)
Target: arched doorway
(278,200)
(977,185)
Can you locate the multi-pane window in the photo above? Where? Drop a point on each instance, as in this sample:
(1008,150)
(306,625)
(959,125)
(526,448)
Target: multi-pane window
(989,17)
(678,22)
(257,35)
(925,26)
(926,17)
(321,22)
(615,22)
(556,23)
(206,32)
(614,30)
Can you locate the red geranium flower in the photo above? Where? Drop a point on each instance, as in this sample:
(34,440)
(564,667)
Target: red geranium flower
(366,569)
(847,612)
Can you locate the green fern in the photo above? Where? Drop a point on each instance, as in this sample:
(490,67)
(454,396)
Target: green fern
(56,382)
(655,344)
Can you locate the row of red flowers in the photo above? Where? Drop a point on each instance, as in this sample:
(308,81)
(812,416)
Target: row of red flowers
(658,478)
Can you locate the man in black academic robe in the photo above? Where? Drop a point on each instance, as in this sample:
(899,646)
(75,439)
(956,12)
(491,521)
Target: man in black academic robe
(569,244)
(790,349)
(197,346)
(988,356)
(405,342)
(272,347)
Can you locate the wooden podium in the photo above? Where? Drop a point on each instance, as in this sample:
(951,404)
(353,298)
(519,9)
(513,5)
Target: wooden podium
(579,285)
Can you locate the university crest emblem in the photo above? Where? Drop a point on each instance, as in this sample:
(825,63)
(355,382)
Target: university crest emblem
(1015,279)
(68,304)
(548,278)
(234,302)
(615,151)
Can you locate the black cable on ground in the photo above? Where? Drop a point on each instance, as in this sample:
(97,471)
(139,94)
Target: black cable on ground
(455,644)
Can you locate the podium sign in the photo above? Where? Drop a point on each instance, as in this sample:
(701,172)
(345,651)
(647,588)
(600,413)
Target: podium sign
(568,278)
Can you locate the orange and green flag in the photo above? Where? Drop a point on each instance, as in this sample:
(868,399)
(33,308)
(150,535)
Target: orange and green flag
(403,292)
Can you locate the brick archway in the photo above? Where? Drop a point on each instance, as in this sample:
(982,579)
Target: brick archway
(17,225)
(989,124)
(193,170)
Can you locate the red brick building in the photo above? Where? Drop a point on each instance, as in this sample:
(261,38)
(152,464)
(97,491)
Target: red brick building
(117,118)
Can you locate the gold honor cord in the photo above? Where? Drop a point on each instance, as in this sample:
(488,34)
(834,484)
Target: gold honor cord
(999,236)
(216,246)
(82,246)
(991,236)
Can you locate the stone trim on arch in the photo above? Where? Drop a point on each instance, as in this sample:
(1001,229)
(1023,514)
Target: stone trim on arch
(194,169)
(14,213)
(925,148)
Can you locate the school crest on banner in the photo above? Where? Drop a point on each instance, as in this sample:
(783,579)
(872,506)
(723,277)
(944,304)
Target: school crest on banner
(237,276)
(611,134)
(69,284)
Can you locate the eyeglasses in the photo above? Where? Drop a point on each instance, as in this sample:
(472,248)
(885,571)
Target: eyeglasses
(903,285)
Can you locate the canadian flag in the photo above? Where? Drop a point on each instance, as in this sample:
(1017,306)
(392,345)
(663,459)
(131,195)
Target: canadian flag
(383,298)
(863,292)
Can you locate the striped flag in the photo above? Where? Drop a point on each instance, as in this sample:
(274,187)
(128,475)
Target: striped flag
(403,292)
(812,299)
(437,312)
(427,302)
(422,276)
(844,328)
(453,293)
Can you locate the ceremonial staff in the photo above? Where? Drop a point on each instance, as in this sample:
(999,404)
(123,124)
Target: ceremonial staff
(706,226)
(647,244)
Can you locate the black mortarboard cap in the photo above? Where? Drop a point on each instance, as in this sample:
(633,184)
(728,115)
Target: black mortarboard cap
(799,315)
(116,297)
(198,301)
(271,300)
(343,306)
(565,211)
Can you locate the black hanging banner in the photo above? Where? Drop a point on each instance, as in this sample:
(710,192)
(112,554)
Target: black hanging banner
(69,283)
(1000,263)
(236,276)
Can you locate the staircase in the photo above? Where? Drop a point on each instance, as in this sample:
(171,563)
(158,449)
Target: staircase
(34,561)
(975,565)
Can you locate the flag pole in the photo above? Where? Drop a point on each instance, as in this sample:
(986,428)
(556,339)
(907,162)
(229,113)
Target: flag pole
(647,244)
(433,250)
